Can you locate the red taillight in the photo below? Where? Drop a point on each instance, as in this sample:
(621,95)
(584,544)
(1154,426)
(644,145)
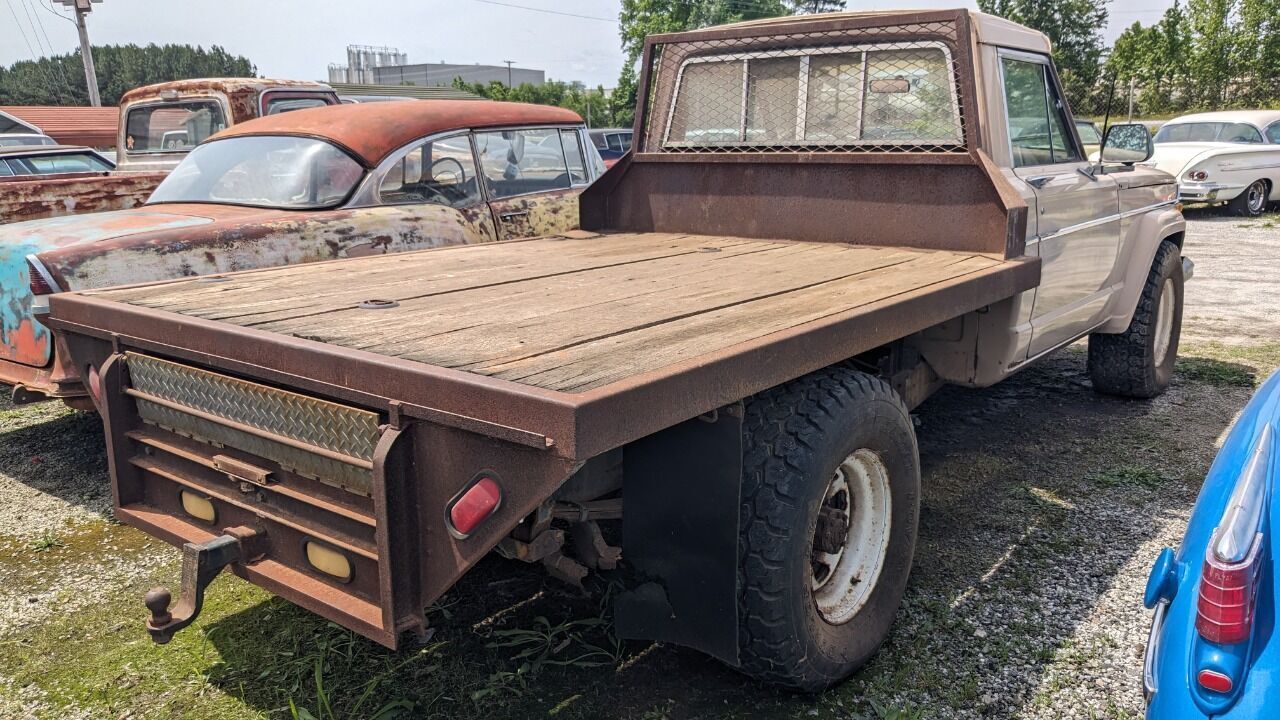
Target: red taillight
(1198,175)
(39,285)
(474,505)
(1224,611)
(1215,681)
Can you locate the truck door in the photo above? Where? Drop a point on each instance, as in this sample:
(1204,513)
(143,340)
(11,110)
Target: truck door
(533,177)
(1077,221)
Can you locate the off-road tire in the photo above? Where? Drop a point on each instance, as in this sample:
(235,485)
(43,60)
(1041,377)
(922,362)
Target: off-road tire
(1239,205)
(1124,364)
(794,438)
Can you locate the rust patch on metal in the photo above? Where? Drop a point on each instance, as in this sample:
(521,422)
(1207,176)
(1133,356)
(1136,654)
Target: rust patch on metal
(53,197)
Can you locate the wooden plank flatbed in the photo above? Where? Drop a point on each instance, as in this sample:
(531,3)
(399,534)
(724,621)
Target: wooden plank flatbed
(617,372)
(588,313)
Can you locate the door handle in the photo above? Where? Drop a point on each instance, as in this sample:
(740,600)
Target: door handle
(513,215)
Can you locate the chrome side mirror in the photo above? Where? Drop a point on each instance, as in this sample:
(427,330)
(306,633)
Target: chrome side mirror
(1127,143)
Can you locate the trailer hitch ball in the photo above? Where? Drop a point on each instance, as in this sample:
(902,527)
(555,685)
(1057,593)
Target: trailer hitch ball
(201,563)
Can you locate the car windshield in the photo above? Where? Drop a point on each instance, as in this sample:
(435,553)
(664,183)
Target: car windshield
(53,164)
(16,140)
(172,127)
(263,171)
(1209,132)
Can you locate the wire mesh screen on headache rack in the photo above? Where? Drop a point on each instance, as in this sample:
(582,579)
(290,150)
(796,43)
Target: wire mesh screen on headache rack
(877,89)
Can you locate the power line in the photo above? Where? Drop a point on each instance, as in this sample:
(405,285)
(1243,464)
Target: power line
(50,10)
(57,64)
(18,25)
(35,57)
(549,12)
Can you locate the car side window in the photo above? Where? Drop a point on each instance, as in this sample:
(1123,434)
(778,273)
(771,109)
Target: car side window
(520,162)
(574,155)
(1273,132)
(278,103)
(4,169)
(1037,116)
(441,172)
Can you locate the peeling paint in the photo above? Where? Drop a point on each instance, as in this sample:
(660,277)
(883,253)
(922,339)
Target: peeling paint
(22,200)
(533,215)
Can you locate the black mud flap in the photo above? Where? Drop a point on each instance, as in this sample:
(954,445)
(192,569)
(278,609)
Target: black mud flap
(680,535)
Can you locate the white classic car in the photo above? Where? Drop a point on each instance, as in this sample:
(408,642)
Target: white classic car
(1231,157)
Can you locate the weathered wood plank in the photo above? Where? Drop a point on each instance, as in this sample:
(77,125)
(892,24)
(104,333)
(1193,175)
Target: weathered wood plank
(582,367)
(570,313)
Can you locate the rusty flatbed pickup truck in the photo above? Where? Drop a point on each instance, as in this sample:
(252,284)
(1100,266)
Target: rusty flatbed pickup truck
(823,220)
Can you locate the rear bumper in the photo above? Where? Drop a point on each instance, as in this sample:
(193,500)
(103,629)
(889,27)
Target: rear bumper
(56,381)
(197,455)
(1207,192)
(1149,682)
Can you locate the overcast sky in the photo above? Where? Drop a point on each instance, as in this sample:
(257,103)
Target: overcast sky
(297,39)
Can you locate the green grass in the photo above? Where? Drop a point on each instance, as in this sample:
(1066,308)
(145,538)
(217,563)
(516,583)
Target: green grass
(1216,372)
(46,541)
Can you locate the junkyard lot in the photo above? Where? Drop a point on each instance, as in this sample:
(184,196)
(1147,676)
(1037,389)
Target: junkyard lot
(1024,597)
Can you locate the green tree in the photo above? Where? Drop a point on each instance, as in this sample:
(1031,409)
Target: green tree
(59,80)
(1074,28)
(592,104)
(808,7)
(1257,57)
(1214,55)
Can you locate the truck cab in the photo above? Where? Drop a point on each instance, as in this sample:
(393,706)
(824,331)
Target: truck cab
(159,124)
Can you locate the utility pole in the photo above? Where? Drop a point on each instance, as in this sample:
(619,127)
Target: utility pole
(509,64)
(82,8)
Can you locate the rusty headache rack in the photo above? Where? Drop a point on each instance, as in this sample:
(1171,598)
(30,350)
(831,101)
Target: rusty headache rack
(357,457)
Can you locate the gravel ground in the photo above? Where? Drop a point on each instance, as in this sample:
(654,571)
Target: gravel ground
(1233,298)
(1044,505)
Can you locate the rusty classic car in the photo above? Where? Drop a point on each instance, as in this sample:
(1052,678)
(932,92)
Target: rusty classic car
(159,124)
(317,184)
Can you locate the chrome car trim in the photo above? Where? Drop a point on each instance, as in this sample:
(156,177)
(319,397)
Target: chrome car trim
(1108,219)
(39,267)
(1149,686)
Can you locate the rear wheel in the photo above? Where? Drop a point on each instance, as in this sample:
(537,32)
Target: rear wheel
(830,507)
(1139,361)
(1250,203)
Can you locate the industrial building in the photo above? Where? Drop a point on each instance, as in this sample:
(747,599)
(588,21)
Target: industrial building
(388,66)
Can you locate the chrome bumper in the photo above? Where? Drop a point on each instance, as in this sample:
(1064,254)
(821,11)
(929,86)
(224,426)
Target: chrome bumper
(1153,649)
(1207,191)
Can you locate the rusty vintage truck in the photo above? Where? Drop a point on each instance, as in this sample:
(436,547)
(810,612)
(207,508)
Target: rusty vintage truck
(159,124)
(311,185)
(823,219)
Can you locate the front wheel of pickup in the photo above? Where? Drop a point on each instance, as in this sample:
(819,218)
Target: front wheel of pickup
(1139,361)
(830,507)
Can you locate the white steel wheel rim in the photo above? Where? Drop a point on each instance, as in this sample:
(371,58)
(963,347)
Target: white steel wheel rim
(842,581)
(1164,322)
(1256,195)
